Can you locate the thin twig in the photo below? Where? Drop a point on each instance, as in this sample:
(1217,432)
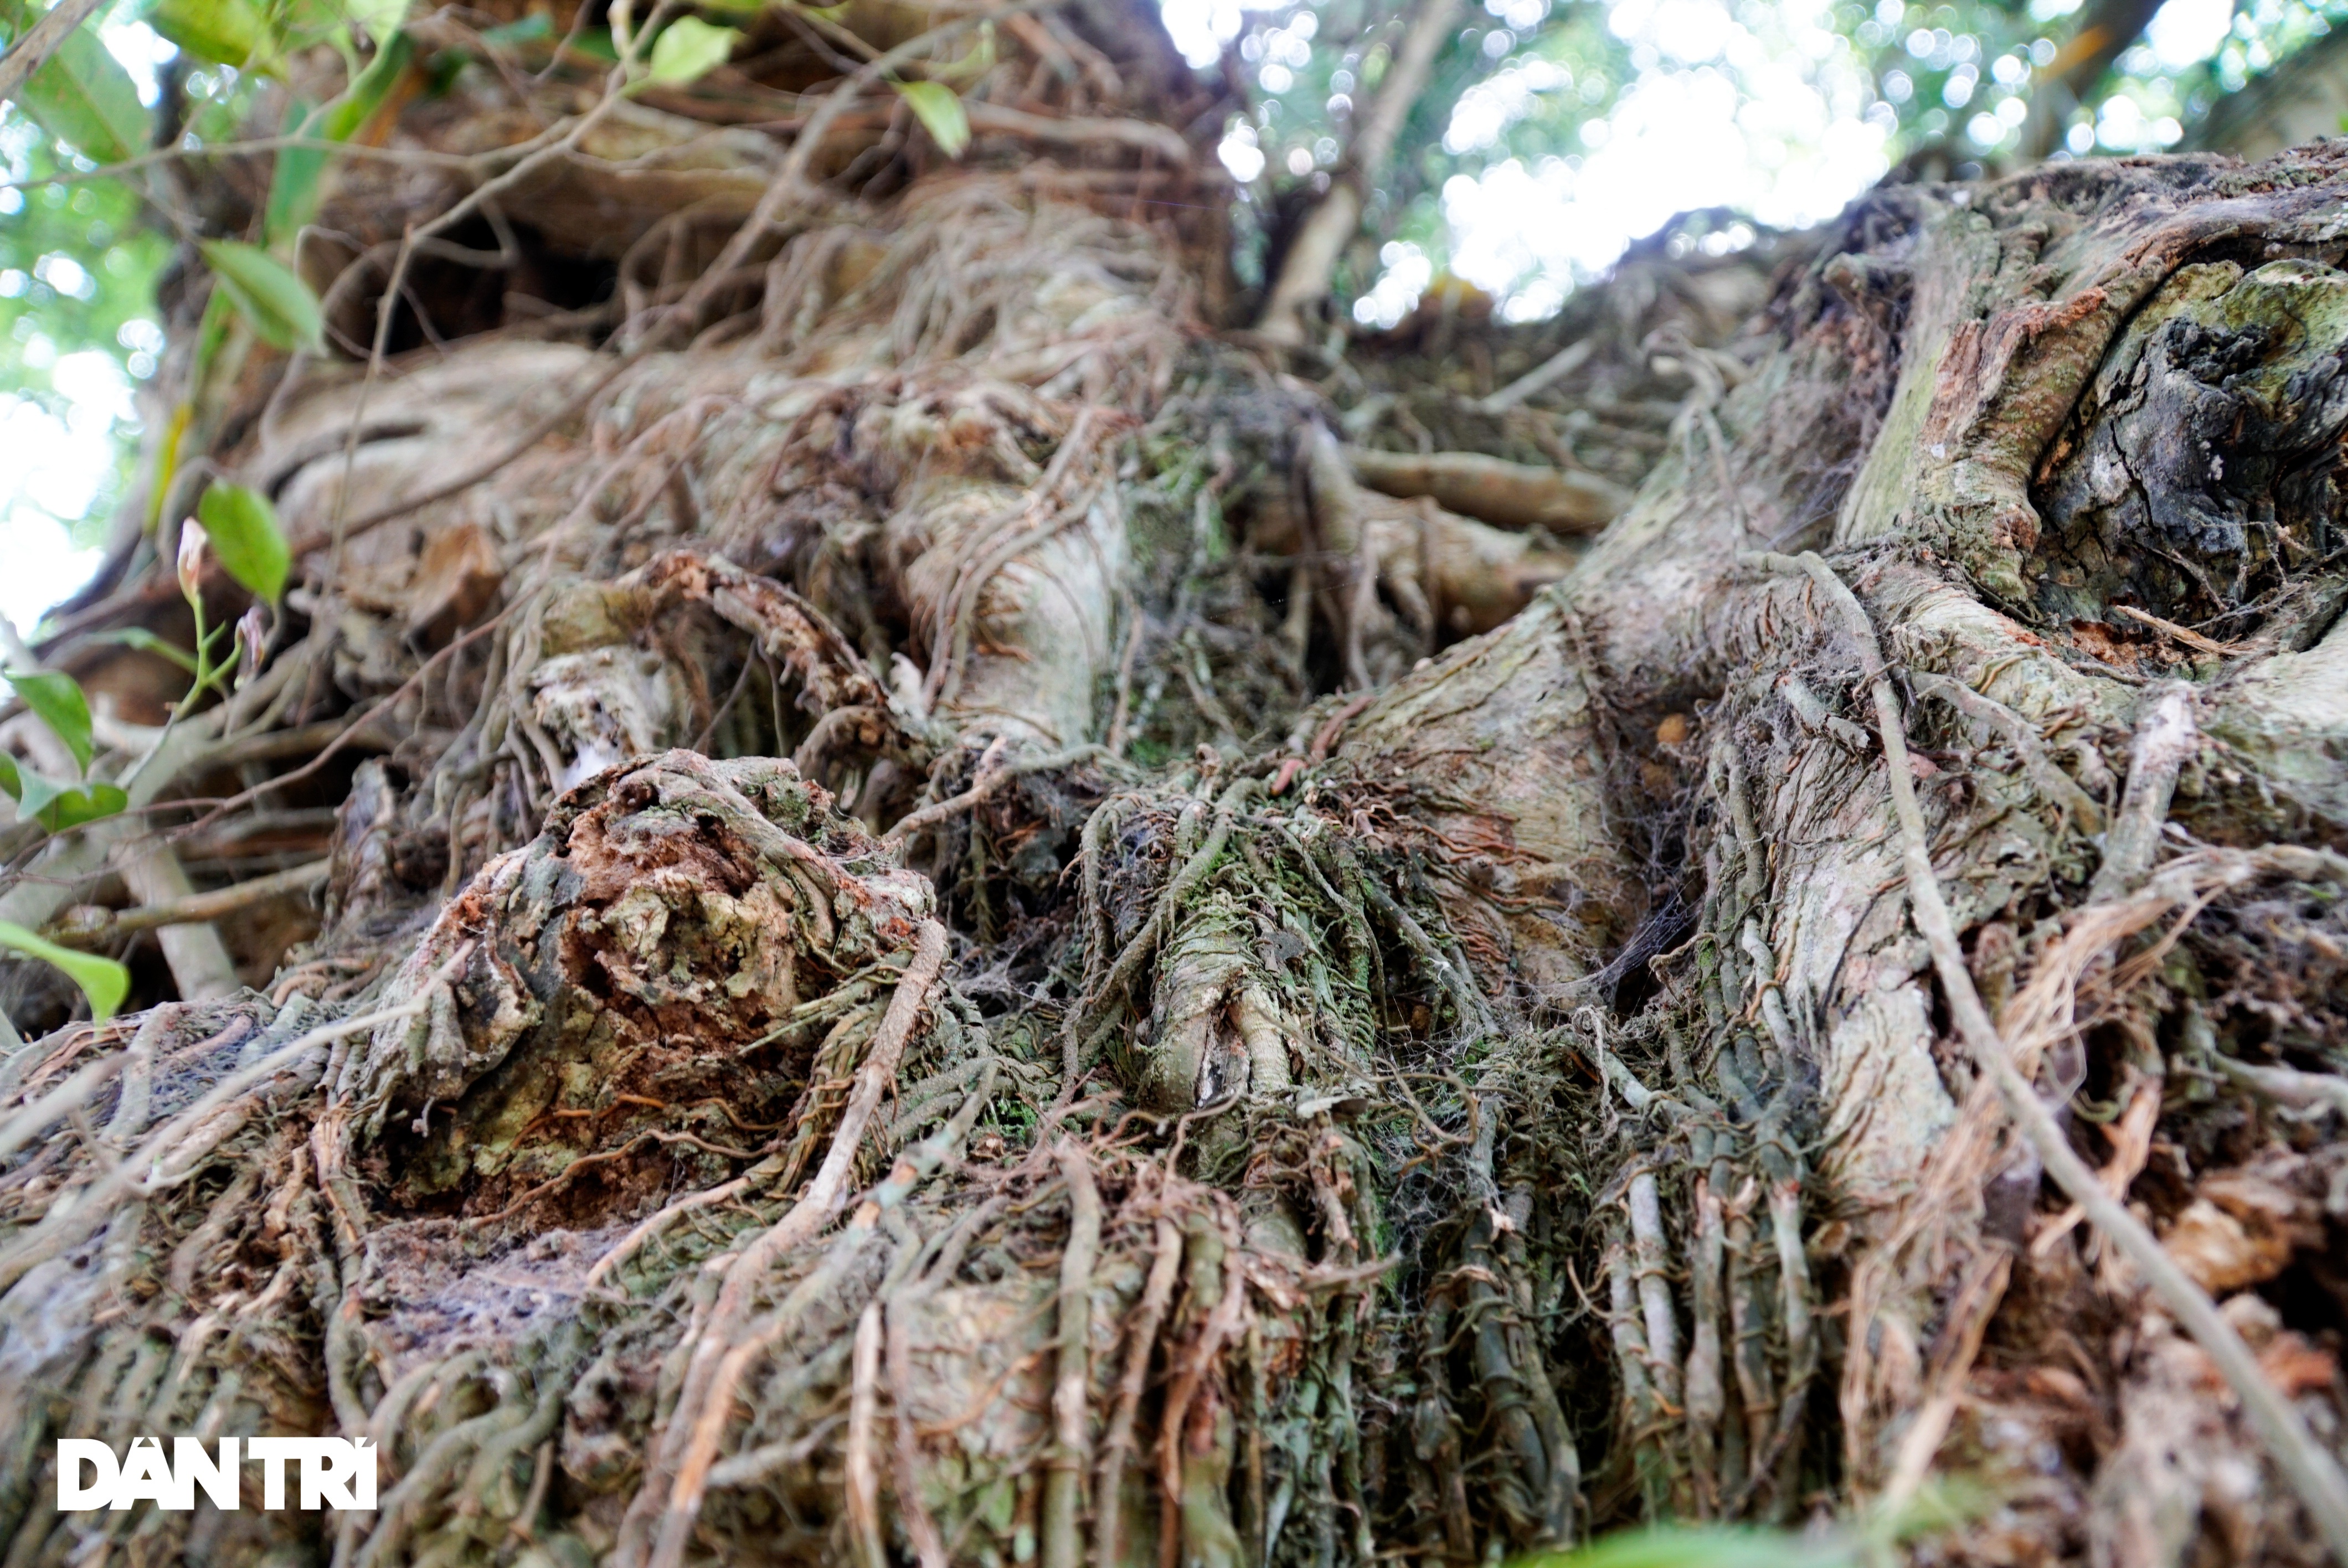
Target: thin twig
(991,776)
(254,147)
(2023,735)
(2185,634)
(57,1103)
(1556,367)
(42,40)
(195,907)
(2314,1091)
(863,1411)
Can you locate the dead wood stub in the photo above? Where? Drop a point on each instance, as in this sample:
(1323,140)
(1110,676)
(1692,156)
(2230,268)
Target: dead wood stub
(2201,482)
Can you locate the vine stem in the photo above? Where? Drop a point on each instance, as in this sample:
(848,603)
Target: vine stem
(2313,1474)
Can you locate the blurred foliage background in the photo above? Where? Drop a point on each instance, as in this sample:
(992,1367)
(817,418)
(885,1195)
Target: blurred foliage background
(1555,132)
(1552,134)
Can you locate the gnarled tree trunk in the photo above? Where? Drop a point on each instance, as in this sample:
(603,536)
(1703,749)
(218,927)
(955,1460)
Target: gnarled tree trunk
(956,939)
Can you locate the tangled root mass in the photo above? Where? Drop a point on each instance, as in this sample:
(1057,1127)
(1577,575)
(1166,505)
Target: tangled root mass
(964,922)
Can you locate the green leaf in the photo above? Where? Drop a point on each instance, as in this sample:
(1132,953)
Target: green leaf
(246,536)
(225,32)
(146,642)
(293,187)
(975,61)
(41,793)
(82,96)
(105,982)
(534,29)
(688,49)
(364,96)
(1670,1547)
(294,190)
(77,805)
(56,699)
(595,44)
(381,19)
(277,305)
(940,112)
(55,803)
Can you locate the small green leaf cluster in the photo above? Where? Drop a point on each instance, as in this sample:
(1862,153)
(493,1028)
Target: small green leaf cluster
(59,805)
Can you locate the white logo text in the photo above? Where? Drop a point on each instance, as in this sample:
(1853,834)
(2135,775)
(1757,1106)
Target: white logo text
(333,1472)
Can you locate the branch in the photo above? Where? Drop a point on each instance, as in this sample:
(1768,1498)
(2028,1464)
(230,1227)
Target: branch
(193,907)
(2185,634)
(1507,495)
(2318,1091)
(200,966)
(1557,368)
(1303,279)
(41,41)
(2166,738)
(1158,140)
(2108,29)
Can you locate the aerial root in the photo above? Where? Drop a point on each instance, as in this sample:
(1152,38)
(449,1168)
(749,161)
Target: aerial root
(1072,1386)
(1117,1445)
(2310,1470)
(688,1444)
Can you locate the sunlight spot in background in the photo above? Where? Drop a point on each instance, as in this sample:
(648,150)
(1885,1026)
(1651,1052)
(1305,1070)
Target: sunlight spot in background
(143,52)
(2186,32)
(1200,29)
(53,466)
(1774,123)
(53,461)
(1240,152)
(1769,112)
(1407,274)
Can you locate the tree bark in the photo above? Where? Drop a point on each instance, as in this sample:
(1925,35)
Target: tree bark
(951,943)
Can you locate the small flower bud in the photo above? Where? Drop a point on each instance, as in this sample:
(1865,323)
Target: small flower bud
(252,642)
(193,542)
